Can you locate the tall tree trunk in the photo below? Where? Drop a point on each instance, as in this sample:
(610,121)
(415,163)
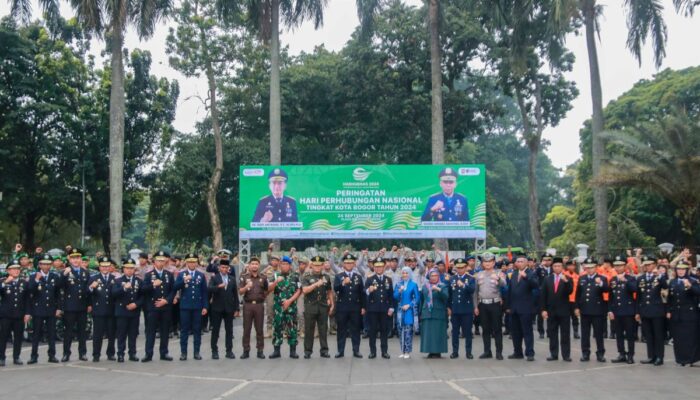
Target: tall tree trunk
(29,233)
(600,193)
(213,188)
(437,133)
(275,97)
(532,137)
(116,146)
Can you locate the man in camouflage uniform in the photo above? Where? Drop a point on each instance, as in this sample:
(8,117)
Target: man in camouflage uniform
(301,271)
(270,272)
(286,287)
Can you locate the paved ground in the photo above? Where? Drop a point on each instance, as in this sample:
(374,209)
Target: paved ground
(349,378)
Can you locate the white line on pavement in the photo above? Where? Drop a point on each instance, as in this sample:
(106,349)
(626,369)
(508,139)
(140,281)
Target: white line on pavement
(233,390)
(461,390)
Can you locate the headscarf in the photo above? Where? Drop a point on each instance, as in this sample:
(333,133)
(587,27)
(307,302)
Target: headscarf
(409,271)
(429,286)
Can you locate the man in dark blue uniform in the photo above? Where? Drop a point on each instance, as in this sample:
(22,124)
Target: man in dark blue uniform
(193,305)
(276,207)
(591,307)
(13,311)
(74,282)
(127,295)
(100,288)
(447,205)
(623,307)
(44,297)
(543,270)
(460,303)
(380,300)
(651,310)
(521,302)
(158,297)
(350,305)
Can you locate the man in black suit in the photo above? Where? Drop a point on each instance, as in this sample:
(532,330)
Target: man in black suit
(522,308)
(554,305)
(224,306)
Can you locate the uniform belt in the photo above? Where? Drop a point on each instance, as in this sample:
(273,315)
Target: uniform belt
(253,301)
(490,301)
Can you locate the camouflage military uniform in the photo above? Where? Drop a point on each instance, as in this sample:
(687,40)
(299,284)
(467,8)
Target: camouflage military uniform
(285,322)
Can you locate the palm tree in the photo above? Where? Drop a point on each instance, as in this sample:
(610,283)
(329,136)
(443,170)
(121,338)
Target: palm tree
(109,20)
(663,157)
(265,16)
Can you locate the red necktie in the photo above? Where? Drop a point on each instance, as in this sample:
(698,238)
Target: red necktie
(556,283)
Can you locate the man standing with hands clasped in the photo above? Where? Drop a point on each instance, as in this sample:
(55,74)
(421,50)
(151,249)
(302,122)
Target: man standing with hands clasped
(159,294)
(488,304)
(590,307)
(380,298)
(287,289)
(253,288)
(193,305)
(318,304)
(224,306)
(555,309)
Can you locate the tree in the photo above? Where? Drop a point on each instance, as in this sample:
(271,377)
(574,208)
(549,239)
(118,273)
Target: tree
(660,156)
(522,43)
(202,44)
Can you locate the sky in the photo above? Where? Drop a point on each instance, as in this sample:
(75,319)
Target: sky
(619,69)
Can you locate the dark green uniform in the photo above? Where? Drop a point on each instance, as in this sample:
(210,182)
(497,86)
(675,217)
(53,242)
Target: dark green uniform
(316,312)
(285,322)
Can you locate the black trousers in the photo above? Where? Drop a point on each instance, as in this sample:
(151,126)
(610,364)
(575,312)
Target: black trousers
(654,332)
(463,323)
(598,324)
(15,326)
(127,328)
(157,321)
(540,325)
(75,321)
(216,317)
(491,318)
(557,325)
(625,329)
(348,322)
(521,331)
(574,318)
(41,323)
(101,326)
(378,322)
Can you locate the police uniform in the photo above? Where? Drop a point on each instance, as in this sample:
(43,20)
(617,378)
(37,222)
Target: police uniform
(461,305)
(285,321)
(13,307)
(380,303)
(253,309)
(316,309)
(158,319)
(125,291)
(350,301)
(224,304)
(489,301)
(102,311)
(623,307)
(74,281)
(683,294)
(192,285)
(454,207)
(652,312)
(44,295)
(283,209)
(590,302)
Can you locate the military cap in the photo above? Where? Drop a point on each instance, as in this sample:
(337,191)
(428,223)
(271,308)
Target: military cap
(546,256)
(471,257)
(224,253)
(45,259)
(460,262)
(349,257)
(277,174)
(619,260)
(162,256)
(22,255)
(75,253)
(410,258)
(318,260)
(254,258)
(488,256)
(589,263)
(683,264)
(191,257)
(85,258)
(129,263)
(58,258)
(448,174)
(556,260)
(13,264)
(379,262)
(646,260)
(104,262)
(225,262)
(274,257)
(286,259)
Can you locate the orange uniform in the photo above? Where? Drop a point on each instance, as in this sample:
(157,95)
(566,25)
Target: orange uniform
(574,279)
(608,273)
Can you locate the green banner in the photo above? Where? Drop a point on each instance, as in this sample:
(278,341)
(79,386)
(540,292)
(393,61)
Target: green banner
(362,201)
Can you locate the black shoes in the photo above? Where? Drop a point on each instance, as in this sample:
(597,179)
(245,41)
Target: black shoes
(53,360)
(658,362)
(95,359)
(261,355)
(585,358)
(600,358)
(120,359)
(647,361)
(356,354)
(620,359)
(32,360)
(82,357)
(183,357)
(230,355)
(197,356)
(630,359)
(166,358)
(293,352)
(214,355)
(276,353)
(372,356)
(470,356)
(147,359)
(17,361)
(454,355)
(552,358)
(567,359)
(485,356)
(246,354)
(530,358)
(325,355)
(499,356)
(307,355)
(515,357)
(111,358)
(337,355)
(133,359)
(65,358)
(386,356)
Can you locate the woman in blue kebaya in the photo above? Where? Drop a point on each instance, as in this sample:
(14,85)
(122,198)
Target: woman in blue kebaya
(407,297)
